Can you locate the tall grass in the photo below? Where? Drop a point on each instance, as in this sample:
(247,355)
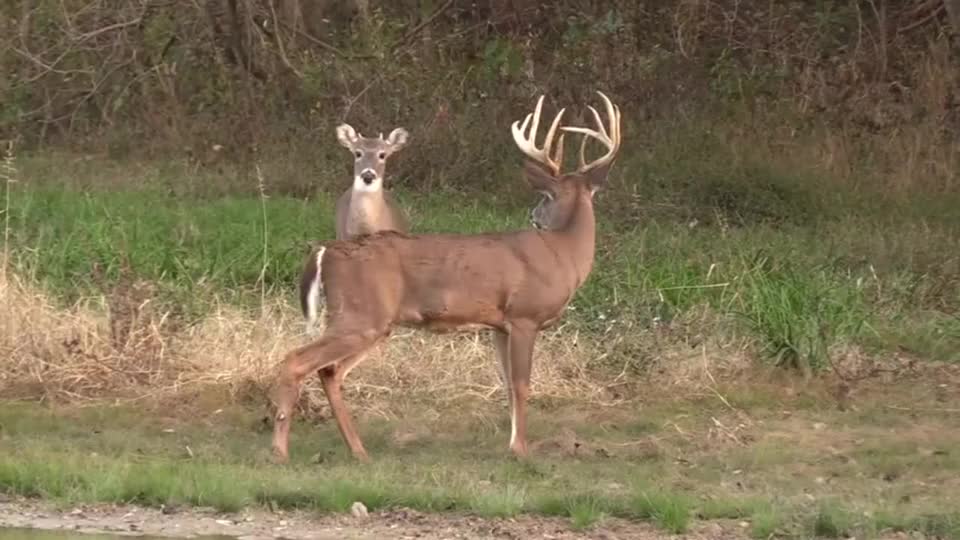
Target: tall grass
(798,290)
(799,314)
(8,176)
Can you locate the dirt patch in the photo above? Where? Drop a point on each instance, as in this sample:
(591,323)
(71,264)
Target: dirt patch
(257,524)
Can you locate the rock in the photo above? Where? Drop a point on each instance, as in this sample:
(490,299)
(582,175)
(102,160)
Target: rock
(359,510)
(713,530)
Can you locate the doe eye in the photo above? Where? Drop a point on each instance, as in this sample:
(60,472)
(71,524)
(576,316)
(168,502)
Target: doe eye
(383,155)
(358,153)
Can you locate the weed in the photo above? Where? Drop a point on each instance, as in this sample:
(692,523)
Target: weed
(799,316)
(765,522)
(669,510)
(584,512)
(505,501)
(831,521)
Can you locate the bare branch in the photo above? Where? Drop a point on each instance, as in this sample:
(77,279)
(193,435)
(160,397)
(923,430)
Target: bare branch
(423,24)
(323,44)
(109,28)
(279,39)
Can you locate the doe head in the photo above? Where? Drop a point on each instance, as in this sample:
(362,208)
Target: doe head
(370,155)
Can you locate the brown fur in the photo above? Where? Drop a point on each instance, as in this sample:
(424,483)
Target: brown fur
(366,213)
(513,283)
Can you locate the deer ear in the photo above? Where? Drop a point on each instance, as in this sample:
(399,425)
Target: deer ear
(398,138)
(346,135)
(539,178)
(597,177)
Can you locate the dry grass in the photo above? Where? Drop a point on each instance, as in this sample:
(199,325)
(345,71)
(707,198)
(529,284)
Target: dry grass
(118,346)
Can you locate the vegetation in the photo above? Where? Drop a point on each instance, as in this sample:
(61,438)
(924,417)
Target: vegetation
(683,461)
(782,217)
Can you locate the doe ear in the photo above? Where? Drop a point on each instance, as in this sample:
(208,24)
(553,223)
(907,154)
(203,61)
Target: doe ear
(539,178)
(347,135)
(397,138)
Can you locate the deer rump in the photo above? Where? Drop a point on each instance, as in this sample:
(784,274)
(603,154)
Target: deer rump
(439,282)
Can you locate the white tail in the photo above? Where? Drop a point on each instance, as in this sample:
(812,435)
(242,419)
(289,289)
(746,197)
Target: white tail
(311,290)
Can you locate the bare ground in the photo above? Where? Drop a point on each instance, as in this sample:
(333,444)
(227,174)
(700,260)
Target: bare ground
(255,524)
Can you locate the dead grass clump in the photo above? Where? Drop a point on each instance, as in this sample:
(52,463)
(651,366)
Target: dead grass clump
(78,352)
(120,346)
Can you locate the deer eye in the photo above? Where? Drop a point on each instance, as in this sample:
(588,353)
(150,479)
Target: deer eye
(383,155)
(358,154)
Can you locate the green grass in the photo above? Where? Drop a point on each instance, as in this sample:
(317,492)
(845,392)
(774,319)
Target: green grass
(220,460)
(832,521)
(584,512)
(886,281)
(671,511)
(765,522)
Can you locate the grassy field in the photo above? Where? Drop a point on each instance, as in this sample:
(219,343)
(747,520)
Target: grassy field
(769,340)
(812,471)
(793,276)
(673,391)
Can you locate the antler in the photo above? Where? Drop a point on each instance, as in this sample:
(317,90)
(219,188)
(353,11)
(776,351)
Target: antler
(528,144)
(611,140)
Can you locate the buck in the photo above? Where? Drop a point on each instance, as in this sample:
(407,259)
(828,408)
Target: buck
(364,208)
(513,283)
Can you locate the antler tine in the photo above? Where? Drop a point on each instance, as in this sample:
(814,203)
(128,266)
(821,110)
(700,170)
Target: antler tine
(548,143)
(528,143)
(583,153)
(609,139)
(536,121)
(558,154)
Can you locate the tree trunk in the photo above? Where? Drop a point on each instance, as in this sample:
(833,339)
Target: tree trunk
(953,14)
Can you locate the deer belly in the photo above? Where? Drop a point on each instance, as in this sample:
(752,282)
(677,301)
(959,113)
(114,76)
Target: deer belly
(446,309)
(446,327)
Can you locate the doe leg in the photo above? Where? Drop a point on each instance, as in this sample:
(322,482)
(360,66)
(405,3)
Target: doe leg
(296,365)
(332,378)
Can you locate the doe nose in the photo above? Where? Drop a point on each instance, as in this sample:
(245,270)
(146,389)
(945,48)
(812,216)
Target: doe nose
(368,176)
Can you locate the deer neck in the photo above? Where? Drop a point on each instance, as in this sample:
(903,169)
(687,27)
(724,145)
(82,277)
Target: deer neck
(366,209)
(578,237)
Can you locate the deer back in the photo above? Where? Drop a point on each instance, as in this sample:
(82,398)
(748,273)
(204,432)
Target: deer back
(448,282)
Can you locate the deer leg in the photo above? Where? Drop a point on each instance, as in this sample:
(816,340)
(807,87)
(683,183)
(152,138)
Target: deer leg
(521,360)
(297,364)
(501,341)
(332,378)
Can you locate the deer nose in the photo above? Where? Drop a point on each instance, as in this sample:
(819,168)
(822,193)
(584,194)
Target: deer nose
(368,176)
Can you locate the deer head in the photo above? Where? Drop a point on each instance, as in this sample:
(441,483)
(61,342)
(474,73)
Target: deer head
(561,192)
(370,155)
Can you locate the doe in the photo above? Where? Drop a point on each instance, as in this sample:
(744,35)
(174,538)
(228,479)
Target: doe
(363,208)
